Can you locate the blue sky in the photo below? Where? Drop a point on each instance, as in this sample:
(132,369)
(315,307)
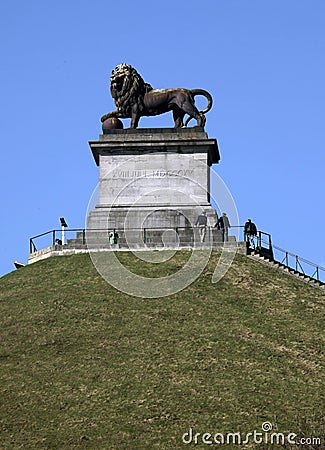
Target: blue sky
(262,61)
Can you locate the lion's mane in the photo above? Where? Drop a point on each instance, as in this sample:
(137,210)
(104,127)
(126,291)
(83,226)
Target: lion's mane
(128,88)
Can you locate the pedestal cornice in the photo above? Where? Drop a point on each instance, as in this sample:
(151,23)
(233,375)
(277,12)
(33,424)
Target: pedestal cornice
(156,140)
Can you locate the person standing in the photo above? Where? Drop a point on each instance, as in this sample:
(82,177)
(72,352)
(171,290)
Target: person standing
(113,237)
(201,222)
(223,226)
(250,231)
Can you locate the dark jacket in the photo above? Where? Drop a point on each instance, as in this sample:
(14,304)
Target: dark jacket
(201,220)
(250,228)
(223,222)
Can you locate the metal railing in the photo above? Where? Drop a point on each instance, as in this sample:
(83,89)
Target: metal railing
(299,264)
(54,237)
(50,237)
(261,243)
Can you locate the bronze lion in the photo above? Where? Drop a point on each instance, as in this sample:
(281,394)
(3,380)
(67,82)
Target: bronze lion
(134,99)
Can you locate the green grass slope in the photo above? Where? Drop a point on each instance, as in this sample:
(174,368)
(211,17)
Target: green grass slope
(85,366)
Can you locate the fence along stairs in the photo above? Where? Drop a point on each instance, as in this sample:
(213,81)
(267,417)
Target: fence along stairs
(281,267)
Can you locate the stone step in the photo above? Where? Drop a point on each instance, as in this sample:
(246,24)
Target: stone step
(184,237)
(289,270)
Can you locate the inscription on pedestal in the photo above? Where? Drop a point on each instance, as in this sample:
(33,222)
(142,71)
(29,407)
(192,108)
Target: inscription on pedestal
(159,173)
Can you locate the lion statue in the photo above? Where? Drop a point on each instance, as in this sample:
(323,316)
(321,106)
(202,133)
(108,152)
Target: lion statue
(134,99)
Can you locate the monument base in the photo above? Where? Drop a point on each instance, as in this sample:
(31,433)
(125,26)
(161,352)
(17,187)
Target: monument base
(176,216)
(153,179)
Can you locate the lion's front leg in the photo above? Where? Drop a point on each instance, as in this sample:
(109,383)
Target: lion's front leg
(115,113)
(135,116)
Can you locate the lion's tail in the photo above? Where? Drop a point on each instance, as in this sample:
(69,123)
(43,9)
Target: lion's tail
(205,94)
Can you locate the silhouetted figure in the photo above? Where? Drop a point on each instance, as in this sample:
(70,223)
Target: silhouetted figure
(250,231)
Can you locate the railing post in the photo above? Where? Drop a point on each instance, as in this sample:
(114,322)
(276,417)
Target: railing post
(53,237)
(297,263)
(287,259)
(83,237)
(144,236)
(317,273)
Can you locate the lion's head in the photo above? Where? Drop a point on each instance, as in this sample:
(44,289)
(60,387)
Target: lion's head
(127,87)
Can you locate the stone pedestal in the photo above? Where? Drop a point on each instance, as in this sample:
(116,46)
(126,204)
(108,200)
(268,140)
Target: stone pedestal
(153,178)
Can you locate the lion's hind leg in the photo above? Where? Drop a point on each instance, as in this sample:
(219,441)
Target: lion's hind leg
(189,108)
(202,121)
(178,116)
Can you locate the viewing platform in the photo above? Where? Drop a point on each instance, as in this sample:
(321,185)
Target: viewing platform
(81,240)
(146,239)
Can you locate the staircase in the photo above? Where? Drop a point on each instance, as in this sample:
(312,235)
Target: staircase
(154,238)
(255,255)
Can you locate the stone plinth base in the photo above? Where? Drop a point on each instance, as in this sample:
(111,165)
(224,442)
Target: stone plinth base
(148,238)
(105,217)
(153,178)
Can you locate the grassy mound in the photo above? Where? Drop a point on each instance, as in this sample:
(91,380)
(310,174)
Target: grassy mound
(85,366)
